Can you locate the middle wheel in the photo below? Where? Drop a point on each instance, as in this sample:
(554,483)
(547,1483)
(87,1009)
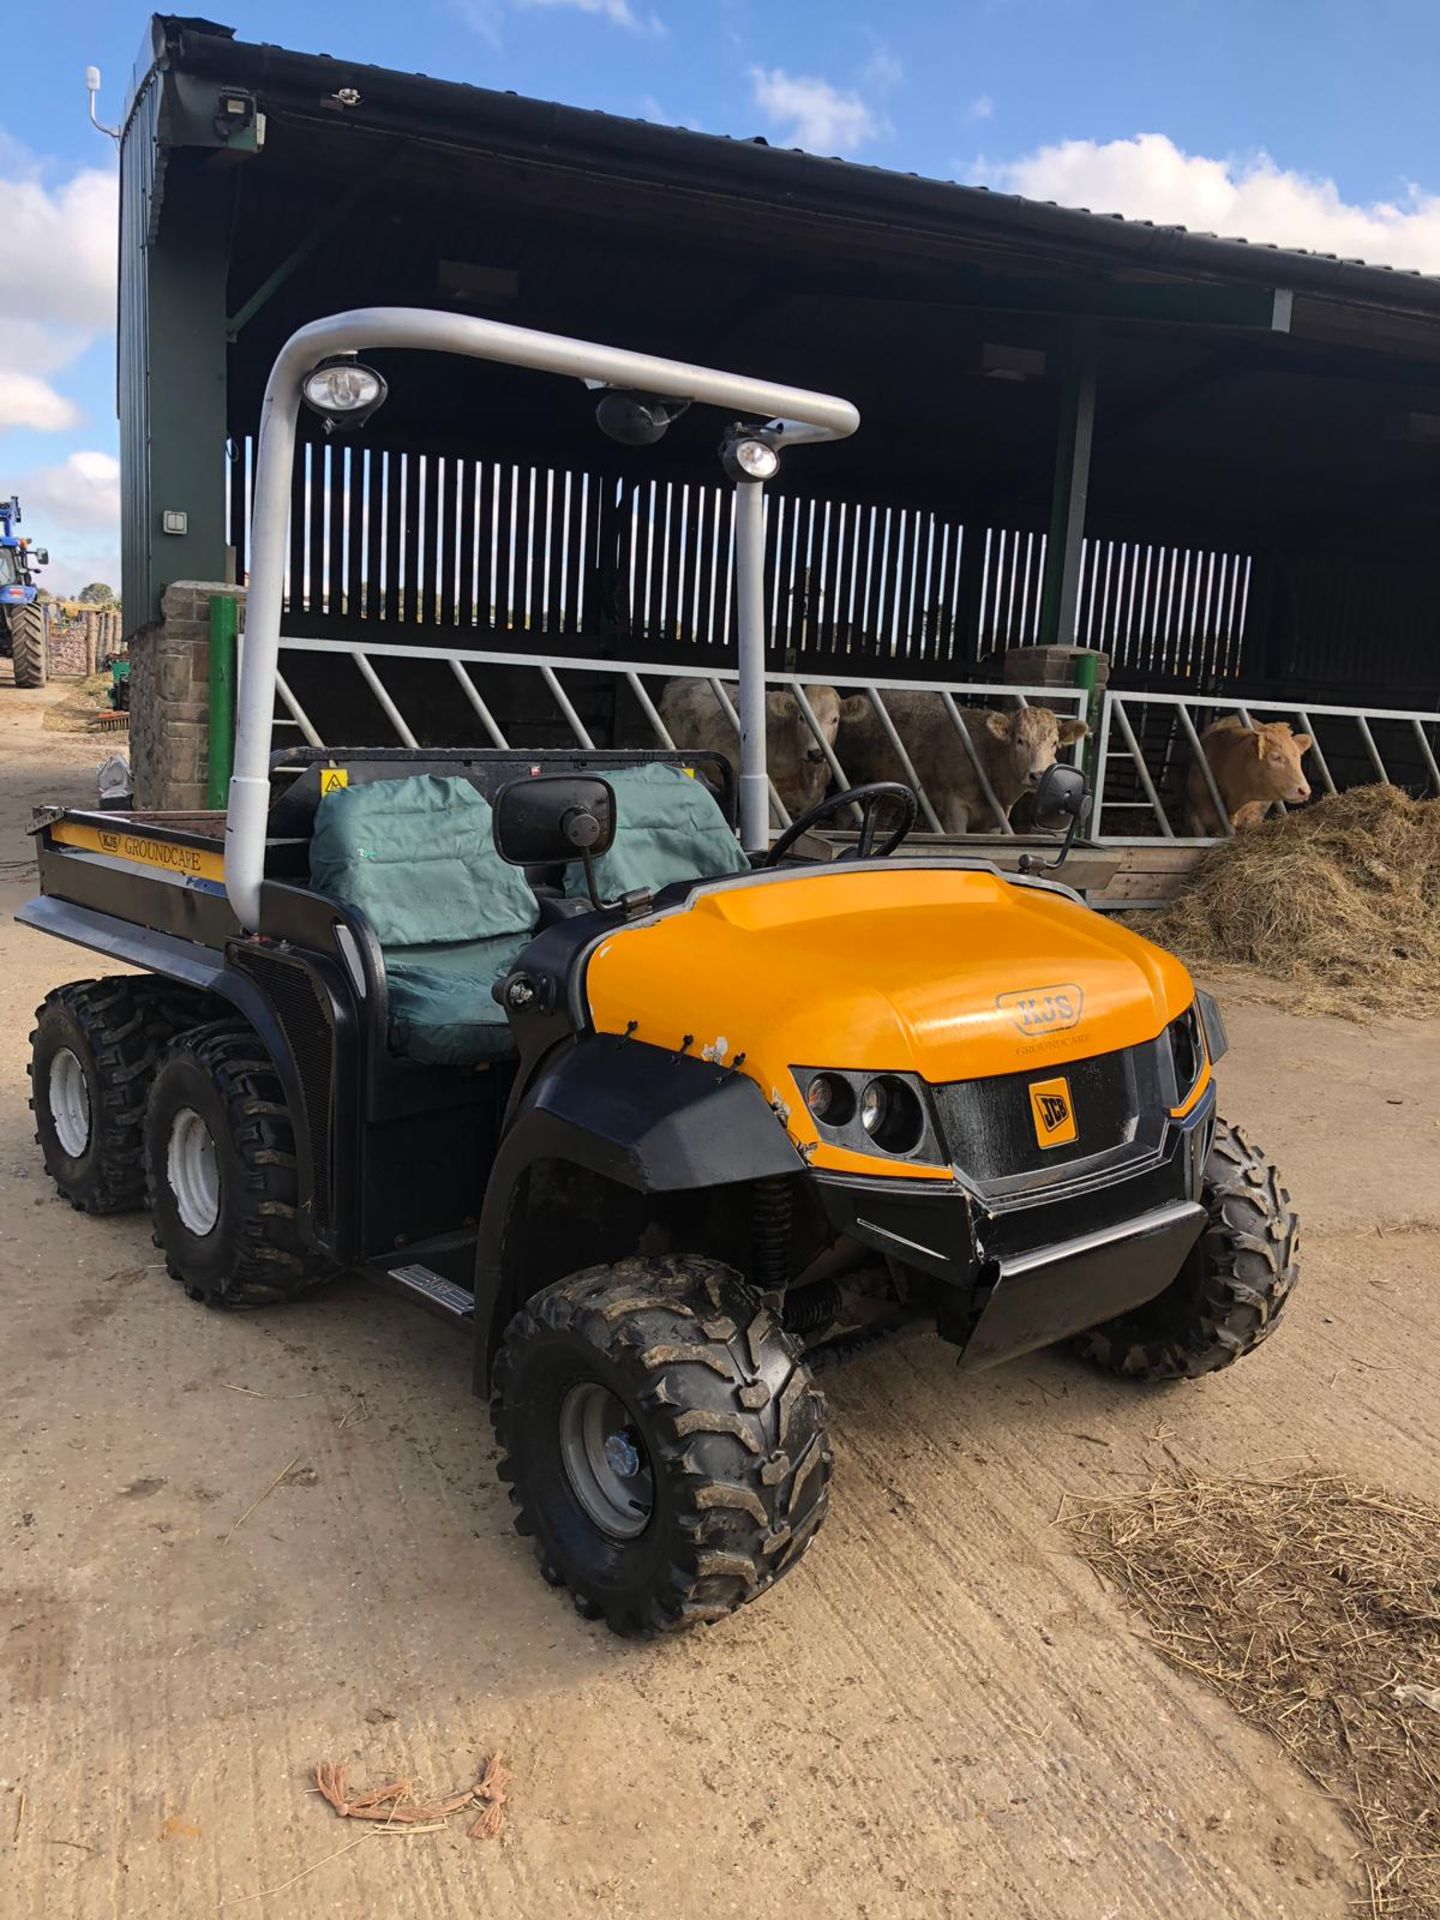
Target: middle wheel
(663,1439)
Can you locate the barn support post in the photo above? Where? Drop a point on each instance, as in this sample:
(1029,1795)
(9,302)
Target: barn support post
(1066,544)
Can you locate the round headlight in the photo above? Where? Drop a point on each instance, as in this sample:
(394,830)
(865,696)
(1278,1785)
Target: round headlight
(831,1100)
(891,1113)
(874,1105)
(344,388)
(757,460)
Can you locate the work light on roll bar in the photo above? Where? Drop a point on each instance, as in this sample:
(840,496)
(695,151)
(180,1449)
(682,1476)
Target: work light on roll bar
(343,392)
(750,453)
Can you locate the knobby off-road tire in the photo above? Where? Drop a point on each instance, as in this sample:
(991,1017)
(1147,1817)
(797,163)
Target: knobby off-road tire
(29,648)
(93,1054)
(717,1412)
(1230,1293)
(217,1084)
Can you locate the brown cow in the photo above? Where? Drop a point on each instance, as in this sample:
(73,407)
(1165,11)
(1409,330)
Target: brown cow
(696,721)
(1015,749)
(1253,768)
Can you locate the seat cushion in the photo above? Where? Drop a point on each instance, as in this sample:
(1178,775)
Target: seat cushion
(418,858)
(668,827)
(442,1012)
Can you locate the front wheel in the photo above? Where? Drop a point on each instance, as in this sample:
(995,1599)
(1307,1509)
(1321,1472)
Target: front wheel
(662,1439)
(1231,1291)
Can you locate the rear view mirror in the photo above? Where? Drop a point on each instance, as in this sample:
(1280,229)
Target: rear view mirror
(554,818)
(1062,797)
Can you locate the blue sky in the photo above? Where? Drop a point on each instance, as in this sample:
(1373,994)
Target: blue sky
(1307,122)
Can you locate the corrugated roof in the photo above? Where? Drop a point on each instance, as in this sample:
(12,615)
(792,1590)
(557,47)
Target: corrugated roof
(519,123)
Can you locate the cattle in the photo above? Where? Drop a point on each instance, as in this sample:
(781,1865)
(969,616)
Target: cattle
(1015,749)
(697,722)
(1253,768)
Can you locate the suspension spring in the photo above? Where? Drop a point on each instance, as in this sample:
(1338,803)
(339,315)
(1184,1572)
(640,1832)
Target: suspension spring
(770,1233)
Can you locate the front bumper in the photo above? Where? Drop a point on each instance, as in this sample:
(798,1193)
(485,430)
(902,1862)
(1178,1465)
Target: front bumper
(1007,1278)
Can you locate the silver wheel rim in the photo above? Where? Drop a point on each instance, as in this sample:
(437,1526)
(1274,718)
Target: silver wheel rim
(605,1461)
(193,1173)
(70,1103)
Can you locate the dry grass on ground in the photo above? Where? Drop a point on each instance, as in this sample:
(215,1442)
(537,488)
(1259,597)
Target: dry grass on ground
(1341,900)
(1314,1607)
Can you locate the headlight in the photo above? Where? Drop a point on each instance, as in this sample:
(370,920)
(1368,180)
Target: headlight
(1187,1050)
(870,1112)
(1217,1041)
(831,1100)
(343,392)
(891,1113)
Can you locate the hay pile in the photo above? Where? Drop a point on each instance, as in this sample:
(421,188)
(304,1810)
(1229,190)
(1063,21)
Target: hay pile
(1314,1607)
(1340,899)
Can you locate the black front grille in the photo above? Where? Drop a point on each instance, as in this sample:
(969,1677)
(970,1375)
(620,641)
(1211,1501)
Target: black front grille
(303,1011)
(990,1130)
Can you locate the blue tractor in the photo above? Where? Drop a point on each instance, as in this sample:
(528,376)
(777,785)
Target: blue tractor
(24,625)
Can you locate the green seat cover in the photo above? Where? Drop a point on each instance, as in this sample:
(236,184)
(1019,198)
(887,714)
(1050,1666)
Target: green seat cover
(417,857)
(668,827)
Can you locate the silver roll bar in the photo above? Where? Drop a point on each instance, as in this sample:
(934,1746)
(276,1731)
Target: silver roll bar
(799,415)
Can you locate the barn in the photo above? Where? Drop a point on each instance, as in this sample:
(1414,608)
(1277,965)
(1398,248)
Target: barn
(1192,474)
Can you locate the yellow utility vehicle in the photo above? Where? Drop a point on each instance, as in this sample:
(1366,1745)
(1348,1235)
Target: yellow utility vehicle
(668,1118)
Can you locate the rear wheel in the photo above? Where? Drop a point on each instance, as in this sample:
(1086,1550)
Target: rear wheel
(663,1441)
(1231,1291)
(94,1051)
(220,1166)
(29,651)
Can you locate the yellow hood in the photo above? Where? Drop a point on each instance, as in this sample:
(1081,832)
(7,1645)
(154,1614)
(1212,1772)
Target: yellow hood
(944,972)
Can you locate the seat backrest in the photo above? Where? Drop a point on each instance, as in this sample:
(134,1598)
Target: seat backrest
(668,827)
(417,857)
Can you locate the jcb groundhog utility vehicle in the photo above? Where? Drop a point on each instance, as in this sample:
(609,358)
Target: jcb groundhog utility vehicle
(668,1125)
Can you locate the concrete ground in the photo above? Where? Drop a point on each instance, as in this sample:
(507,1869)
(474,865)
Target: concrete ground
(942,1713)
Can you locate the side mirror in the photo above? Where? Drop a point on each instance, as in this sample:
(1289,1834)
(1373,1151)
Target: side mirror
(40,556)
(1061,797)
(553,818)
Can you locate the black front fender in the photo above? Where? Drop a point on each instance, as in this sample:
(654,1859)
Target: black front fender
(639,1116)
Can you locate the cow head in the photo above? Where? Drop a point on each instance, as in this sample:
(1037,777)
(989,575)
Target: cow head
(1030,740)
(797,760)
(1278,753)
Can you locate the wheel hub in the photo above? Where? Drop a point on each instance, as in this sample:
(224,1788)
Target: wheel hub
(606,1461)
(70,1103)
(193,1171)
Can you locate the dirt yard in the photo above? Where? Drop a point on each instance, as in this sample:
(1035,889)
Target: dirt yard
(942,1713)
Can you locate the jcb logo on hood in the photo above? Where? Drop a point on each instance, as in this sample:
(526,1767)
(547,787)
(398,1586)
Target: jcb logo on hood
(1044,1009)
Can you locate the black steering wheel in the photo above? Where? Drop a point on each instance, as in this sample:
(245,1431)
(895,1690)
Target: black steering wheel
(869,800)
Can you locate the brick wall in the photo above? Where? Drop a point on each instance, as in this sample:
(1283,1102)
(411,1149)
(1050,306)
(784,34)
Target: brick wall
(169,697)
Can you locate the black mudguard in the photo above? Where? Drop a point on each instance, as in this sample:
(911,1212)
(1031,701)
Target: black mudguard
(641,1116)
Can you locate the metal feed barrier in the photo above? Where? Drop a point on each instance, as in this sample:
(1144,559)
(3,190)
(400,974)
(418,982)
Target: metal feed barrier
(634,673)
(1117,744)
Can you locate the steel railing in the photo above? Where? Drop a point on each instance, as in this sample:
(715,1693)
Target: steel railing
(1116,742)
(948,696)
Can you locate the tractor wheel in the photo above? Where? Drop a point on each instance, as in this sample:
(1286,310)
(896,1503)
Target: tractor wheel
(94,1052)
(29,645)
(220,1166)
(662,1440)
(1231,1291)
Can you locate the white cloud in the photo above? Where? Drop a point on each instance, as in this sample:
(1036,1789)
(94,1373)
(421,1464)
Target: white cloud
(63,296)
(1150,178)
(883,71)
(487,17)
(982,107)
(73,508)
(812,113)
